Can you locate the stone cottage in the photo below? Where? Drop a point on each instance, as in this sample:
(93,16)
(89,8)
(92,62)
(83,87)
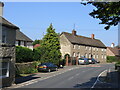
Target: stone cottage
(7,50)
(76,45)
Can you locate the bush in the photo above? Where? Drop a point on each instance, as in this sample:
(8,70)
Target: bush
(111,59)
(26,68)
(23,54)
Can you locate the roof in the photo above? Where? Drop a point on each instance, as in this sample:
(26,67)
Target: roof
(37,45)
(6,23)
(21,36)
(82,40)
(114,50)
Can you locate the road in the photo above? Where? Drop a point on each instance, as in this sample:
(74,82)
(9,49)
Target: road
(82,77)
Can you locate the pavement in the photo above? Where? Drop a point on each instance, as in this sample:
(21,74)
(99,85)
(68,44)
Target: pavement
(108,79)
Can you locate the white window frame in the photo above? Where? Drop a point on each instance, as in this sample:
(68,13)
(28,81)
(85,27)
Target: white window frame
(7,68)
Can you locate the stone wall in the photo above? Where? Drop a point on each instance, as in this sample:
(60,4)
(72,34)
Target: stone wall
(7,54)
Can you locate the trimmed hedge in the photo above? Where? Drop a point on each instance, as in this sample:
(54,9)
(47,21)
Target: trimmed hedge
(23,54)
(111,59)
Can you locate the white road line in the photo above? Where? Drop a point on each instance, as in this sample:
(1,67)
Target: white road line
(98,78)
(70,78)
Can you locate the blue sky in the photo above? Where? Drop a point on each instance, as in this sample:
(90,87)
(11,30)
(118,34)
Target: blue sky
(33,18)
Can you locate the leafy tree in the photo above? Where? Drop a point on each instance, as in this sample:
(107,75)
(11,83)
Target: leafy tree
(37,42)
(50,46)
(107,12)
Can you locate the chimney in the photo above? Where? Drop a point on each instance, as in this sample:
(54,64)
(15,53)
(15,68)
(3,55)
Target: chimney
(73,32)
(1,8)
(112,45)
(93,36)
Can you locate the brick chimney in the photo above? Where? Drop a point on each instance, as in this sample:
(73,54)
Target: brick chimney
(74,32)
(93,36)
(1,8)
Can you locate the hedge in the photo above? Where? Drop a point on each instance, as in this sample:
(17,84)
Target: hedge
(111,59)
(23,54)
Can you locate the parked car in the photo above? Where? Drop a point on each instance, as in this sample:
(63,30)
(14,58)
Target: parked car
(83,61)
(47,67)
(93,61)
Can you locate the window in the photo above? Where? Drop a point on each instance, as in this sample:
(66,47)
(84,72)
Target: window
(4,69)
(94,49)
(89,55)
(102,56)
(25,43)
(86,55)
(4,36)
(86,48)
(94,56)
(97,49)
(78,54)
(78,47)
(19,43)
(74,54)
(97,56)
(74,46)
(90,48)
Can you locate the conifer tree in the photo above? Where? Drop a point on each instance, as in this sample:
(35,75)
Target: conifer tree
(50,47)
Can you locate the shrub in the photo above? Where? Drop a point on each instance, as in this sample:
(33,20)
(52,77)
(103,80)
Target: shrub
(111,59)
(26,68)
(23,54)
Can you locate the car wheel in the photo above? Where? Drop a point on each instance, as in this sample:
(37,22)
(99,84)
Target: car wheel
(49,70)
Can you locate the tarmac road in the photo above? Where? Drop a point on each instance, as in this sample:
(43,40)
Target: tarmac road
(82,77)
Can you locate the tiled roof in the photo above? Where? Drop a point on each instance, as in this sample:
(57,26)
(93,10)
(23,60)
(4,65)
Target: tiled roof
(77,39)
(114,50)
(6,23)
(37,45)
(22,36)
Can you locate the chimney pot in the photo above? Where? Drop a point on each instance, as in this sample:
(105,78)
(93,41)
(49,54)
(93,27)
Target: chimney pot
(112,45)
(74,32)
(93,36)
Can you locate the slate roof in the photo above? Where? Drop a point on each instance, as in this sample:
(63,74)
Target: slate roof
(115,51)
(82,40)
(6,23)
(21,36)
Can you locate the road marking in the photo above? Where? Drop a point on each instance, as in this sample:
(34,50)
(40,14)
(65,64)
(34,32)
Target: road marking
(77,74)
(70,78)
(98,78)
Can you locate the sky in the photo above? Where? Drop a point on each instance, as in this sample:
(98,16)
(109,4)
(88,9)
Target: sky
(33,18)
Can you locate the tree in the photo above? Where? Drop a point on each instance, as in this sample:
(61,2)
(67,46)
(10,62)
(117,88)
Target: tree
(50,46)
(37,42)
(107,12)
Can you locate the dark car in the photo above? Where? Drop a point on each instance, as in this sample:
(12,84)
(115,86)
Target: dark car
(93,61)
(47,67)
(83,61)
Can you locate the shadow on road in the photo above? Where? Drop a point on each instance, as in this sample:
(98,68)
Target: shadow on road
(22,79)
(111,81)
